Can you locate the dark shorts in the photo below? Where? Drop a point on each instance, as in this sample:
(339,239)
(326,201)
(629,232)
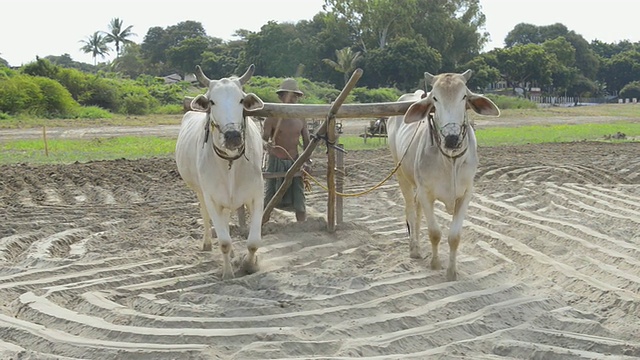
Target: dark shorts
(294,198)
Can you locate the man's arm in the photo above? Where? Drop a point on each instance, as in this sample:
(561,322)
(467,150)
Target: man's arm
(305,135)
(267,129)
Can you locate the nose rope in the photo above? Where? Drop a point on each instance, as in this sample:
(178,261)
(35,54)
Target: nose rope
(221,153)
(435,133)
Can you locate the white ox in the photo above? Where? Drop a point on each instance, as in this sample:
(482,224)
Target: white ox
(219,156)
(437,148)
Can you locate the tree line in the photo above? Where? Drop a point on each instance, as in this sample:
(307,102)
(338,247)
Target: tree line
(393,41)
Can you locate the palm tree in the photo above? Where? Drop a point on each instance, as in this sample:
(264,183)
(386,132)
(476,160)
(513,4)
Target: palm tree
(95,44)
(118,35)
(346,61)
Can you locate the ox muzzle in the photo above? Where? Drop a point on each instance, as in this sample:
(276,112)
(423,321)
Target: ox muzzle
(453,135)
(233,137)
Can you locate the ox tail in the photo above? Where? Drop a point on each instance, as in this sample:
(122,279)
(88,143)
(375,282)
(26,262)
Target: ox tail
(408,228)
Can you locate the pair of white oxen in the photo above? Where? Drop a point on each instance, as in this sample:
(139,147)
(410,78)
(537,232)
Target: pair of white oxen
(219,155)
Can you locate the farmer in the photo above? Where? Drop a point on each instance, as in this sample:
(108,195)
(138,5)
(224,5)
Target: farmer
(282,138)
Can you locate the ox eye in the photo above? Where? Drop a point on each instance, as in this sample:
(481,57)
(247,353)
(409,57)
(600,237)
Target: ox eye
(435,99)
(464,97)
(211,102)
(241,101)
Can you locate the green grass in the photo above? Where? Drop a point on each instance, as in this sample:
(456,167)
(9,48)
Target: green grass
(496,136)
(72,150)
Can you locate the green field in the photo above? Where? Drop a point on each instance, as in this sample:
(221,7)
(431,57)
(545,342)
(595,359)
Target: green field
(625,120)
(129,147)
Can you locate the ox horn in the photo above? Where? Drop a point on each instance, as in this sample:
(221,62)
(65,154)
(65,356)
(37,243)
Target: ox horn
(202,78)
(428,78)
(247,74)
(467,74)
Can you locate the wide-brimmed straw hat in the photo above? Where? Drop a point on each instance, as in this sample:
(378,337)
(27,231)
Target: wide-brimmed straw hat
(290,85)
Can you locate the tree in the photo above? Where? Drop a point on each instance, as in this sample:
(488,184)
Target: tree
(586,60)
(631,90)
(187,54)
(483,73)
(401,64)
(449,26)
(95,44)
(346,60)
(526,65)
(621,69)
(118,35)
(130,62)
(375,21)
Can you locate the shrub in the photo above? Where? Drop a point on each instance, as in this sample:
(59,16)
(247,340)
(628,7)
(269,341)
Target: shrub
(365,95)
(168,109)
(101,92)
(510,102)
(19,94)
(56,101)
(136,100)
(93,112)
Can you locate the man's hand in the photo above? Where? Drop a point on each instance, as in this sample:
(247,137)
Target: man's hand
(307,166)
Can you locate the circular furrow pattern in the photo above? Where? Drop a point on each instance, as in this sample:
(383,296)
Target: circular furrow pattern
(102,260)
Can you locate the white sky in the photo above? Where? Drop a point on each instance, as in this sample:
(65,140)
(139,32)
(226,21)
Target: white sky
(54,27)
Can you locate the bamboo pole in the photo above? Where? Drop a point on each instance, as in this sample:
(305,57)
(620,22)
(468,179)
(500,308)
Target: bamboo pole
(331,175)
(339,184)
(44,136)
(306,154)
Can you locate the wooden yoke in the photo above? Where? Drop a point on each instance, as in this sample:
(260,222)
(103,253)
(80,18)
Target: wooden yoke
(296,111)
(306,154)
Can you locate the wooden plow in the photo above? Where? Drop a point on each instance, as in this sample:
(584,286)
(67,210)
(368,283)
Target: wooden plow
(327,132)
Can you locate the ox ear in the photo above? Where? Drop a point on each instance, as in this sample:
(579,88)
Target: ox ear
(200,103)
(252,102)
(482,105)
(418,110)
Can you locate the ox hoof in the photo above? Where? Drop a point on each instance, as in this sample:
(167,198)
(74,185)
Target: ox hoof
(435,264)
(228,275)
(206,247)
(452,274)
(250,266)
(415,254)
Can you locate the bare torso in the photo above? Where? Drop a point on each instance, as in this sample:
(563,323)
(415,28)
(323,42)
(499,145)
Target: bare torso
(287,138)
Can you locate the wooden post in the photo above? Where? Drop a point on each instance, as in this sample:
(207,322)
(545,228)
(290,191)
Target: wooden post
(44,136)
(306,154)
(339,184)
(331,175)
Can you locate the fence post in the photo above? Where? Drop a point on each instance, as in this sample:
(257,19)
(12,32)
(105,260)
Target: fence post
(340,184)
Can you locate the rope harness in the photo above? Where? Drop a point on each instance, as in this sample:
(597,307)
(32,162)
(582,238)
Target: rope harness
(220,152)
(395,169)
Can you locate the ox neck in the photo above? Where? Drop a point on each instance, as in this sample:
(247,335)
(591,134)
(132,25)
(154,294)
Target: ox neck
(221,153)
(437,141)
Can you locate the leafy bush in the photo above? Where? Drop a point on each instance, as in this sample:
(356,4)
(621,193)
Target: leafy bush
(4,116)
(19,94)
(101,92)
(136,100)
(168,109)
(57,101)
(510,102)
(365,95)
(93,112)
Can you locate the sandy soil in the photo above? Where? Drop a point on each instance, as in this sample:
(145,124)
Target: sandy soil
(102,261)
